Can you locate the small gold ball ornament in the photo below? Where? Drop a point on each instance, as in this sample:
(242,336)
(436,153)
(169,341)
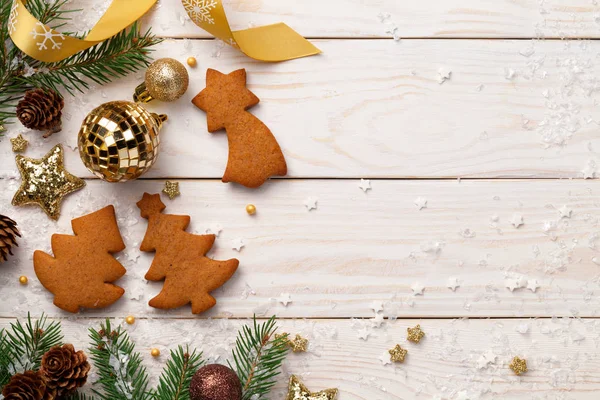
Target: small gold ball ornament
(118,141)
(23,280)
(251,209)
(130,319)
(191,61)
(166,80)
(155,352)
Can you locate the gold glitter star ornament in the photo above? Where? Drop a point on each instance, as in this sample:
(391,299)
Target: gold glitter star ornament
(171,189)
(398,354)
(415,334)
(19,144)
(518,365)
(297,391)
(45,182)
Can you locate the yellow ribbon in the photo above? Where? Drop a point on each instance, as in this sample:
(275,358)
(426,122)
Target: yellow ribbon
(277,42)
(45,44)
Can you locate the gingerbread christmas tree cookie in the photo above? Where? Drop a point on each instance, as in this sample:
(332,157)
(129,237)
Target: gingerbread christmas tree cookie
(254,154)
(82,271)
(189,276)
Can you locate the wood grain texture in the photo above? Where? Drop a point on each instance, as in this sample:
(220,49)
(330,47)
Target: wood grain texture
(371,108)
(428,18)
(355,248)
(562,356)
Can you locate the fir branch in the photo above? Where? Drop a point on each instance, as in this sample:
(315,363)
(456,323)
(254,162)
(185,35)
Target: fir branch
(22,347)
(121,375)
(175,379)
(258,358)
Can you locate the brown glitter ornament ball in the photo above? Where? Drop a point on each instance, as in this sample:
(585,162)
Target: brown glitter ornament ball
(166,80)
(215,382)
(118,141)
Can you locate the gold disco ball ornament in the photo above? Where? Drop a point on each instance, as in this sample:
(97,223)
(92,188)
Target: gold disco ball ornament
(166,80)
(118,141)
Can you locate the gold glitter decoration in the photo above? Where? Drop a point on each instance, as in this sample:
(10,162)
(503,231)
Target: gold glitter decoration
(299,344)
(23,280)
(45,182)
(155,352)
(166,80)
(118,141)
(191,61)
(251,209)
(397,354)
(130,319)
(171,189)
(415,334)
(297,391)
(19,144)
(518,365)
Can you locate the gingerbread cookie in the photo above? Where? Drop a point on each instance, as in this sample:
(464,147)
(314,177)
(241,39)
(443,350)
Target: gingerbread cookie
(82,270)
(254,154)
(181,259)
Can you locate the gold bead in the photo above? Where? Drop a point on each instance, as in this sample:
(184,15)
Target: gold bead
(23,280)
(191,61)
(155,352)
(130,319)
(251,209)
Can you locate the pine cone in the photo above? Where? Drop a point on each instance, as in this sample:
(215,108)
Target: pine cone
(64,369)
(41,110)
(27,386)
(8,235)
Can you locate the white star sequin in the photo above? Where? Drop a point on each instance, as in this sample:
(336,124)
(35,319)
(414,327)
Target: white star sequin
(444,74)
(376,306)
(364,185)
(377,321)
(237,244)
(385,358)
(363,333)
(517,220)
(532,284)
(285,299)
(452,283)
(421,203)
(311,203)
(215,229)
(417,288)
(565,211)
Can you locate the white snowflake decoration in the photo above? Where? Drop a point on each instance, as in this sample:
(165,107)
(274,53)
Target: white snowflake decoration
(47,34)
(199,10)
(12,19)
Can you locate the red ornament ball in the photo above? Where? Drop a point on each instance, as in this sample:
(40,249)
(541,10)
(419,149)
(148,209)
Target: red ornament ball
(215,382)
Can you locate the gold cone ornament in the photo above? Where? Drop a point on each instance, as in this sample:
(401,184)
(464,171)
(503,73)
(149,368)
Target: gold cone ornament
(166,80)
(118,141)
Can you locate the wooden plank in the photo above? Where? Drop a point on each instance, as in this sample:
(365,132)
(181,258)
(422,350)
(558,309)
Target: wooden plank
(561,354)
(355,248)
(374,108)
(428,18)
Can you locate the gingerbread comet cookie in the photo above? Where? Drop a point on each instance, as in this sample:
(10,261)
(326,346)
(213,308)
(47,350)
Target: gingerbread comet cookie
(83,269)
(181,259)
(254,154)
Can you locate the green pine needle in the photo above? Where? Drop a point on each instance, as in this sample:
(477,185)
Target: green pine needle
(174,383)
(258,358)
(22,347)
(121,375)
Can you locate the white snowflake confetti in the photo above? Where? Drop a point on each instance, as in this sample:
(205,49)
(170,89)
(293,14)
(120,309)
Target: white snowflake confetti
(377,321)
(214,229)
(12,19)
(47,35)
(509,74)
(385,358)
(565,211)
(522,328)
(363,333)
(417,288)
(517,220)
(376,306)
(364,185)
(311,203)
(285,299)
(421,203)
(237,244)
(444,74)
(452,283)
(532,284)
(200,10)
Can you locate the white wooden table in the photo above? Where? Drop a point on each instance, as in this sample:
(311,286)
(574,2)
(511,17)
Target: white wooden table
(512,132)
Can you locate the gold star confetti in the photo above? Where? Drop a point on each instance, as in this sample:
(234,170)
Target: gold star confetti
(415,334)
(518,365)
(397,354)
(299,344)
(45,182)
(297,391)
(171,189)
(19,144)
